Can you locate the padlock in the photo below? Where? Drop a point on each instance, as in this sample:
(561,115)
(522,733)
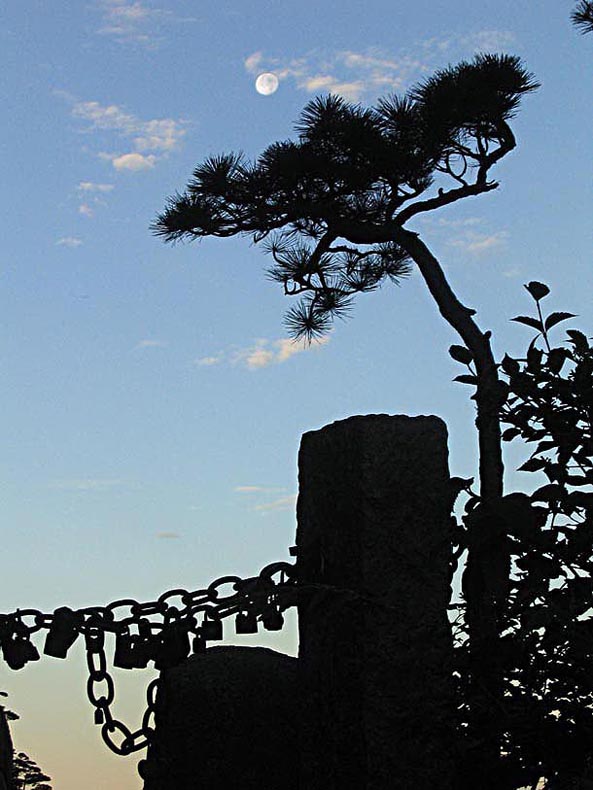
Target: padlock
(124,656)
(62,633)
(273,620)
(246,623)
(198,644)
(211,630)
(19,651)
(145,645)
(173,646)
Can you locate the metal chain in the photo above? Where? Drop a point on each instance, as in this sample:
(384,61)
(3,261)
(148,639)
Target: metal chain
(157,631)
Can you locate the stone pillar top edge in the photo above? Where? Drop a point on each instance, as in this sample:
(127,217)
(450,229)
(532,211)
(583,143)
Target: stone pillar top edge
(431,419)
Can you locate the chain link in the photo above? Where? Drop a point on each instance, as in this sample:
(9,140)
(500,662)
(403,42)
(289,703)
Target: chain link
(185,622)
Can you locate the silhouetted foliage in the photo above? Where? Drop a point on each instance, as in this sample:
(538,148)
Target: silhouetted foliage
(546,647)
(28,775)
(582,16)
(10,715)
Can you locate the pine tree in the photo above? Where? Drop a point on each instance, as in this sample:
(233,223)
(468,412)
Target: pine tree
(332,210)
(582,16)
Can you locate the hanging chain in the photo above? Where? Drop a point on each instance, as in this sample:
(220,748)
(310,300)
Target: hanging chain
(165,631)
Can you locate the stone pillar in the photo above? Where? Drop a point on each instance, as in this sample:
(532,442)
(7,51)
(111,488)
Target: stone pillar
(226,719)
(375,643)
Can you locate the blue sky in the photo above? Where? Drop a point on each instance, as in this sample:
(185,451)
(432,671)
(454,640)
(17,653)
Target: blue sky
(152,404)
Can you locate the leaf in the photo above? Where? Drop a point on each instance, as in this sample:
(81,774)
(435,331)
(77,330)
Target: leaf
(556,318)
(533,465)
(547,493)
(466,379)
(556,359)
(534,356)
(528,321)
(461,354)
(542,447)
(581,499)
(578,339)
(537,290)
(510,365)
(510,433)
(578,480)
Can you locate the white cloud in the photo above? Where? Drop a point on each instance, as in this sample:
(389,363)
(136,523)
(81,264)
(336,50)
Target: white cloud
(86,210)
(459,223)
(480,243)
(134,162)
(69,241)
(283,503)
(86,484)
(149,139)
(168,535)
(489,40)
(151,344)
(256,489)
(208,361)
(90,186)
(262,353)
(374,72)
(159,135)
(252,62)
(129,21)
(257,356)
(265,352)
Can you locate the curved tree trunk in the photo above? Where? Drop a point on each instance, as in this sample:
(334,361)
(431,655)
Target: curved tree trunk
(488,565)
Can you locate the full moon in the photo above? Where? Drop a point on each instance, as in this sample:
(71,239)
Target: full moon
(266,83)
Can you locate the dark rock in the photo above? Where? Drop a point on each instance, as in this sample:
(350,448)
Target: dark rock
(226,719)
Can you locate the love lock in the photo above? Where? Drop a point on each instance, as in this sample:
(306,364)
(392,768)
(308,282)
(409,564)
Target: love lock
(246,623)
(198,644)
(124,656)
(18,651)
(173,648)
(211,630)
(62,633)
(273,620)
(145,645)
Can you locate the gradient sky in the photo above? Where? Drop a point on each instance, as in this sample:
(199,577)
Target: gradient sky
(152,405)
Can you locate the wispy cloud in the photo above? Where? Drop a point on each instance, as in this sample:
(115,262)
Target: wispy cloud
(168,535)
(148,343)
(480,243)
(69,241)
(90,186)
(256,489)
(130,21)
(86,484)
(273,352)
(147,141)
(133,162)
(262,353)
(515,271)
(91,195)
(373,72)
(208,361)
(283,503)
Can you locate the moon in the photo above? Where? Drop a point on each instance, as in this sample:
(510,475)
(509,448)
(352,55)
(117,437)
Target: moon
(266,83)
